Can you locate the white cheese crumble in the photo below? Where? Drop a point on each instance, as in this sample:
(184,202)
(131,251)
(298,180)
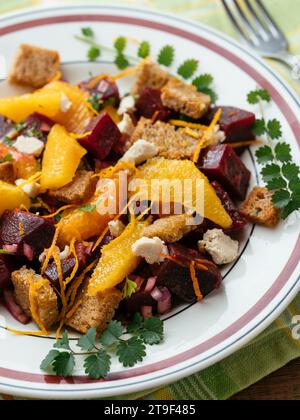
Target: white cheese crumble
(221,247)
(32,189)
(152,249)
(116,228)
(65,103)
(127,105)
(126,126)
(29,145)
(63,255)
(139,152)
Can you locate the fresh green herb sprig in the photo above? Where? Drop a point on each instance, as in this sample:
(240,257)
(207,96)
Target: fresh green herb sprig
(279,172)
(129,288)
(61,360)
(204,84)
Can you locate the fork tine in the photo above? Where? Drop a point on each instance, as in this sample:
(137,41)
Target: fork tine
(236,24)
(254,35)
(274,28)
(265,30)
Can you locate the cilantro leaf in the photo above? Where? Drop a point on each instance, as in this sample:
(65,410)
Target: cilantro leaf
(7,158)
(264,154)
(283,152)
(153,331)
(129,288)
(87,32)
(294,186)
(136,323)
(47,363)
(188,68)
(112,334)
(276,184)
(87,342)
(281,199)
(210,92)
(259,127)
(274,129)
(166,56)
(130,352)
(93,53)
(121,62)
(270,172)
(203,82)
(256,96)
(63,343)
(64,364)
(89,208)
(289,209)
(120,44)
(94,100)
(144,50)
(290,171)
(6,140)
(97,366)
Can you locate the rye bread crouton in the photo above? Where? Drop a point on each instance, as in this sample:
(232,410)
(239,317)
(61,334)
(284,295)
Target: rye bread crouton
(7,173)
(185,99)
(170,143)
(45,297)
(95,311)
(170,229)
(259,208)
(34,66)
(81,189)
(149,75)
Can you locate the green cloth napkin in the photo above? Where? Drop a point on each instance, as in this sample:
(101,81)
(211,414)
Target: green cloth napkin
(275,347)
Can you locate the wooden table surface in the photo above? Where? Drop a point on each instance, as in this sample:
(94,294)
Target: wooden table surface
(281,385)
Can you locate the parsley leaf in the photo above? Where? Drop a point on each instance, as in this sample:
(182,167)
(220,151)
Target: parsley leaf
(136,324)
(94,100)
(121,62)
(112,334)
(87,32)
(93,53)
(97,366)
(290,171)
(270,172)
(283,152)
(120,44)
(259,127)
(281,199)
(264,154)
(129,288)
(47,363)
(153,331)
(166,56)
(274,129)
(63,343)
(64,364)
(88,341)
(89,208)
(144,50)
(130,352)
(188,68)
(256,96)
(276,184)
(203,84)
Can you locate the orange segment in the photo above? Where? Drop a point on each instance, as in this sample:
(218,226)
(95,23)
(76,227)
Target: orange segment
(192,182)
(117,261)
(12,197)
(61,159)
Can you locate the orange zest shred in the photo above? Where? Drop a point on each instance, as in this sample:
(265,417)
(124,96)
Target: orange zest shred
(112,170)
(50,216)
(92,83)
(195,282)
(74,309)
(43,204)
(179,123)
(76,267)
(29,333)
(33,290)
(154,117)
(34,178)
(125,73)
(63,292)
(23,207)
(100,239)
(204,142)
(52,249)
(245,143)
(80,136)
(91,108)
(191,133)
(56,77)
(21,229)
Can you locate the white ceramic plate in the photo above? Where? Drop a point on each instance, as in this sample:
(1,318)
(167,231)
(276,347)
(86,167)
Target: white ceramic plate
(255,290)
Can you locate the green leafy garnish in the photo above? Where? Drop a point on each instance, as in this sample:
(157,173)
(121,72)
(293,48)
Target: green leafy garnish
(4,252)
(7,158)
(120,44)
(93,53)
(258,95)
(188,68)
(122,62)
(203,84)
(144,50)
(88,341)
(129,288)
(152,332)
(97,366)
(89,208)
(47,363)
(64,364)
(131,352)
(166,56)
(112,334)
(6,140)
(63,343)
(274,129)
(88,32)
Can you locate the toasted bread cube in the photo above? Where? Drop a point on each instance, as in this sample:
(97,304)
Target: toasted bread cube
(95,311)
(46,299)
(78,191)
(170,143)
(170,229)
(185,99)
(7,173)
(259,208)
(34,66)
(149,75)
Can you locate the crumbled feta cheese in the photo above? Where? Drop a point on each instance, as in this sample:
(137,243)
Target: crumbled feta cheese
(221,247)
(127,105)
(32,189)
(29,145)
(65,103)
(126,126)
(152,249)
(139,152)
(116,228)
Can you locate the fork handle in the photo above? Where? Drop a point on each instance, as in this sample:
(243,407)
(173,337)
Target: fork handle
(286,58)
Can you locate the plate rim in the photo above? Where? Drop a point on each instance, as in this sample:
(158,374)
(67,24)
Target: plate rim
(290,295)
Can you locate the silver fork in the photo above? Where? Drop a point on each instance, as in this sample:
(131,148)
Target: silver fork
(259,30)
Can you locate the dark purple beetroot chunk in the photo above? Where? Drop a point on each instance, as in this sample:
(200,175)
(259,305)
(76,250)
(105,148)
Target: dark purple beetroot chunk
(236,123)
(221,163)
(149,103)
(5,126)
(52,274)
(239,221)
(176,276)
(38,232)
(134,304)
(37,125)
(6,268)
(105,135)
(105,89)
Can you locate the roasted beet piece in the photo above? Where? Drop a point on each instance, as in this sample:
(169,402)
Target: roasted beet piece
(149,103)
(239,221)
(174,273)
(104,136)
(236,123)
(104,88)
(15,310)
(221,163)
(5,126)
(135,303)
(6,268)
(28,233)
(52,274)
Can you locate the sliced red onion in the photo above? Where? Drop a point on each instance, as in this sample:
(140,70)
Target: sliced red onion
(11,248)
(156,294)
(28,252)
(45,127)
(151,282)
(146,311)
(164,305)
(15,310)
